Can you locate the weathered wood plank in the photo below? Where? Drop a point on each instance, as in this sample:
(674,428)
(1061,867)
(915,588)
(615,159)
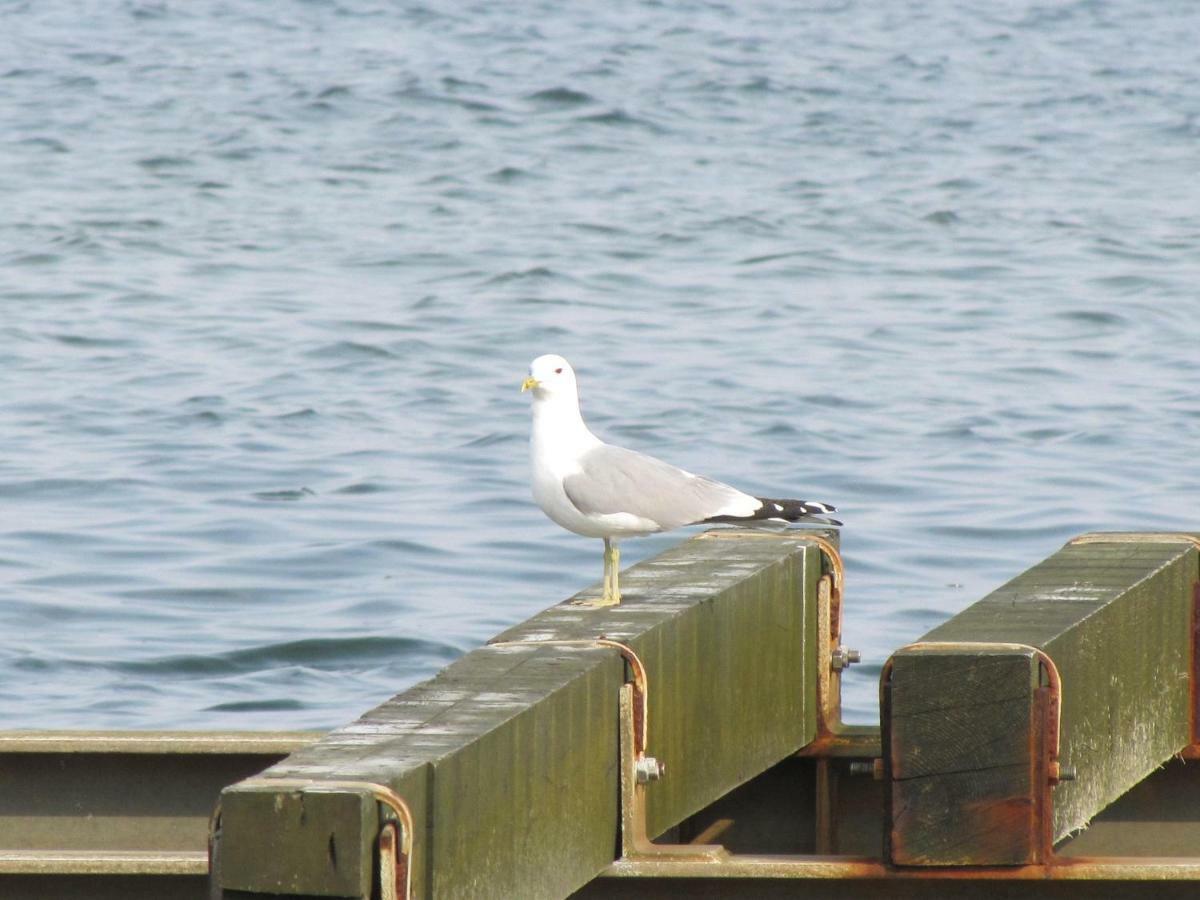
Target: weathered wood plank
(1117,620)
(315,843)
(962,775)
(509,756)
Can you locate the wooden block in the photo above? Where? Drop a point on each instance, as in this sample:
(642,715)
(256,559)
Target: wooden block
(298,843)
(963,780)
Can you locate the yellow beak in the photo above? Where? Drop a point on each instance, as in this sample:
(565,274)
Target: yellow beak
(529,384)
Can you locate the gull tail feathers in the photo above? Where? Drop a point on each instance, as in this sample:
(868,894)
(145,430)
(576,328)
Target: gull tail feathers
(783,511)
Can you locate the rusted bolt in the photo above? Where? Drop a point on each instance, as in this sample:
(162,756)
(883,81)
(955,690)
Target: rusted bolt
(872,767)
(843,657)
(649,769)
(1059,773)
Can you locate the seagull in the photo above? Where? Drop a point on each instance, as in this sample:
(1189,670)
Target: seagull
(601,490)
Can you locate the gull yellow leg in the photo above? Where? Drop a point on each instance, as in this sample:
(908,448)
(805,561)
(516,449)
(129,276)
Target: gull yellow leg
(612,592)
(607,572)
(612,550)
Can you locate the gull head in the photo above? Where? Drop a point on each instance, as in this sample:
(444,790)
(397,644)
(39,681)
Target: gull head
(550,377)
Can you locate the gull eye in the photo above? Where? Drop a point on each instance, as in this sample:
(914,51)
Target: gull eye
(558,371)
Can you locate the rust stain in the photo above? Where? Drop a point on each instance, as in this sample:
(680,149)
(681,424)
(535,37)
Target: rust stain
(836,743)
(850,868)
(1195,673)
(1001,828)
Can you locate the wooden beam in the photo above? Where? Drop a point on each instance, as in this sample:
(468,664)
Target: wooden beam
(962,756)
(963,733)
(508,758)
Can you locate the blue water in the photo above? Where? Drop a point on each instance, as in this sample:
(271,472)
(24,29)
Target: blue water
(271,274)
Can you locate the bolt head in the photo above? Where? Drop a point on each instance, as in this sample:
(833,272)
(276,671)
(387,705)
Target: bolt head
(843,657)
(649,769)
(1066,773)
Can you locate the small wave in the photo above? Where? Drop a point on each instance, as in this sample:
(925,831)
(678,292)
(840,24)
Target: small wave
(349,350)
(292,494)
(759,85)
(164,163)
(770,257)
(1093,317)
(958,184)
(315,653)
(64,489)
(306,412)
(537,273)
(363,487)
(1131,284)
(560,97)
(283,704)
(87,340)
(510,175)
(36,259)
(44,143)
(620,119)
(492,439)
(97,58)
(596,228)
(397,545)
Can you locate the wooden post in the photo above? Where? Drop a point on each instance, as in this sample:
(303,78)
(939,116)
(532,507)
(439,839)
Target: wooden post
(508,759)
(967,737)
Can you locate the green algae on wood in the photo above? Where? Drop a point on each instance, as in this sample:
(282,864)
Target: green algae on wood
(508,757)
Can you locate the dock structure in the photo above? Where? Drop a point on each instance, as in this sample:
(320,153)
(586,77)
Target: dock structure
(507,762)
(688,744)
(1075,676)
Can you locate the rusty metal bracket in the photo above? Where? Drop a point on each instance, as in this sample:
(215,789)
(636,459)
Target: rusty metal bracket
(395,849)
(832,658)
(832,737)
(637,769)
(637,672)
(636,843)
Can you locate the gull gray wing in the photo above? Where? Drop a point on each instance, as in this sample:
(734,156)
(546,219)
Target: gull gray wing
(616,480)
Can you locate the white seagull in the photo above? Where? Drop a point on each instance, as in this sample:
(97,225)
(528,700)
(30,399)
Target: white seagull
(598,490)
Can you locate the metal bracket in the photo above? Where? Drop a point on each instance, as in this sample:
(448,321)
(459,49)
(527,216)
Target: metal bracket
(638,680)
(832,658)
(635,842)
(638,770)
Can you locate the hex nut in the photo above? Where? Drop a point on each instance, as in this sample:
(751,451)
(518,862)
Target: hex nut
(649,769)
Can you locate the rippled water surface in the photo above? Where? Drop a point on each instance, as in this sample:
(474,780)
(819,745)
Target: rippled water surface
(271,273)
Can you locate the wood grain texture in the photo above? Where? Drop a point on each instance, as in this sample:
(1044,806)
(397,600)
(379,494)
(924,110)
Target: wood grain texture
(962,777)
